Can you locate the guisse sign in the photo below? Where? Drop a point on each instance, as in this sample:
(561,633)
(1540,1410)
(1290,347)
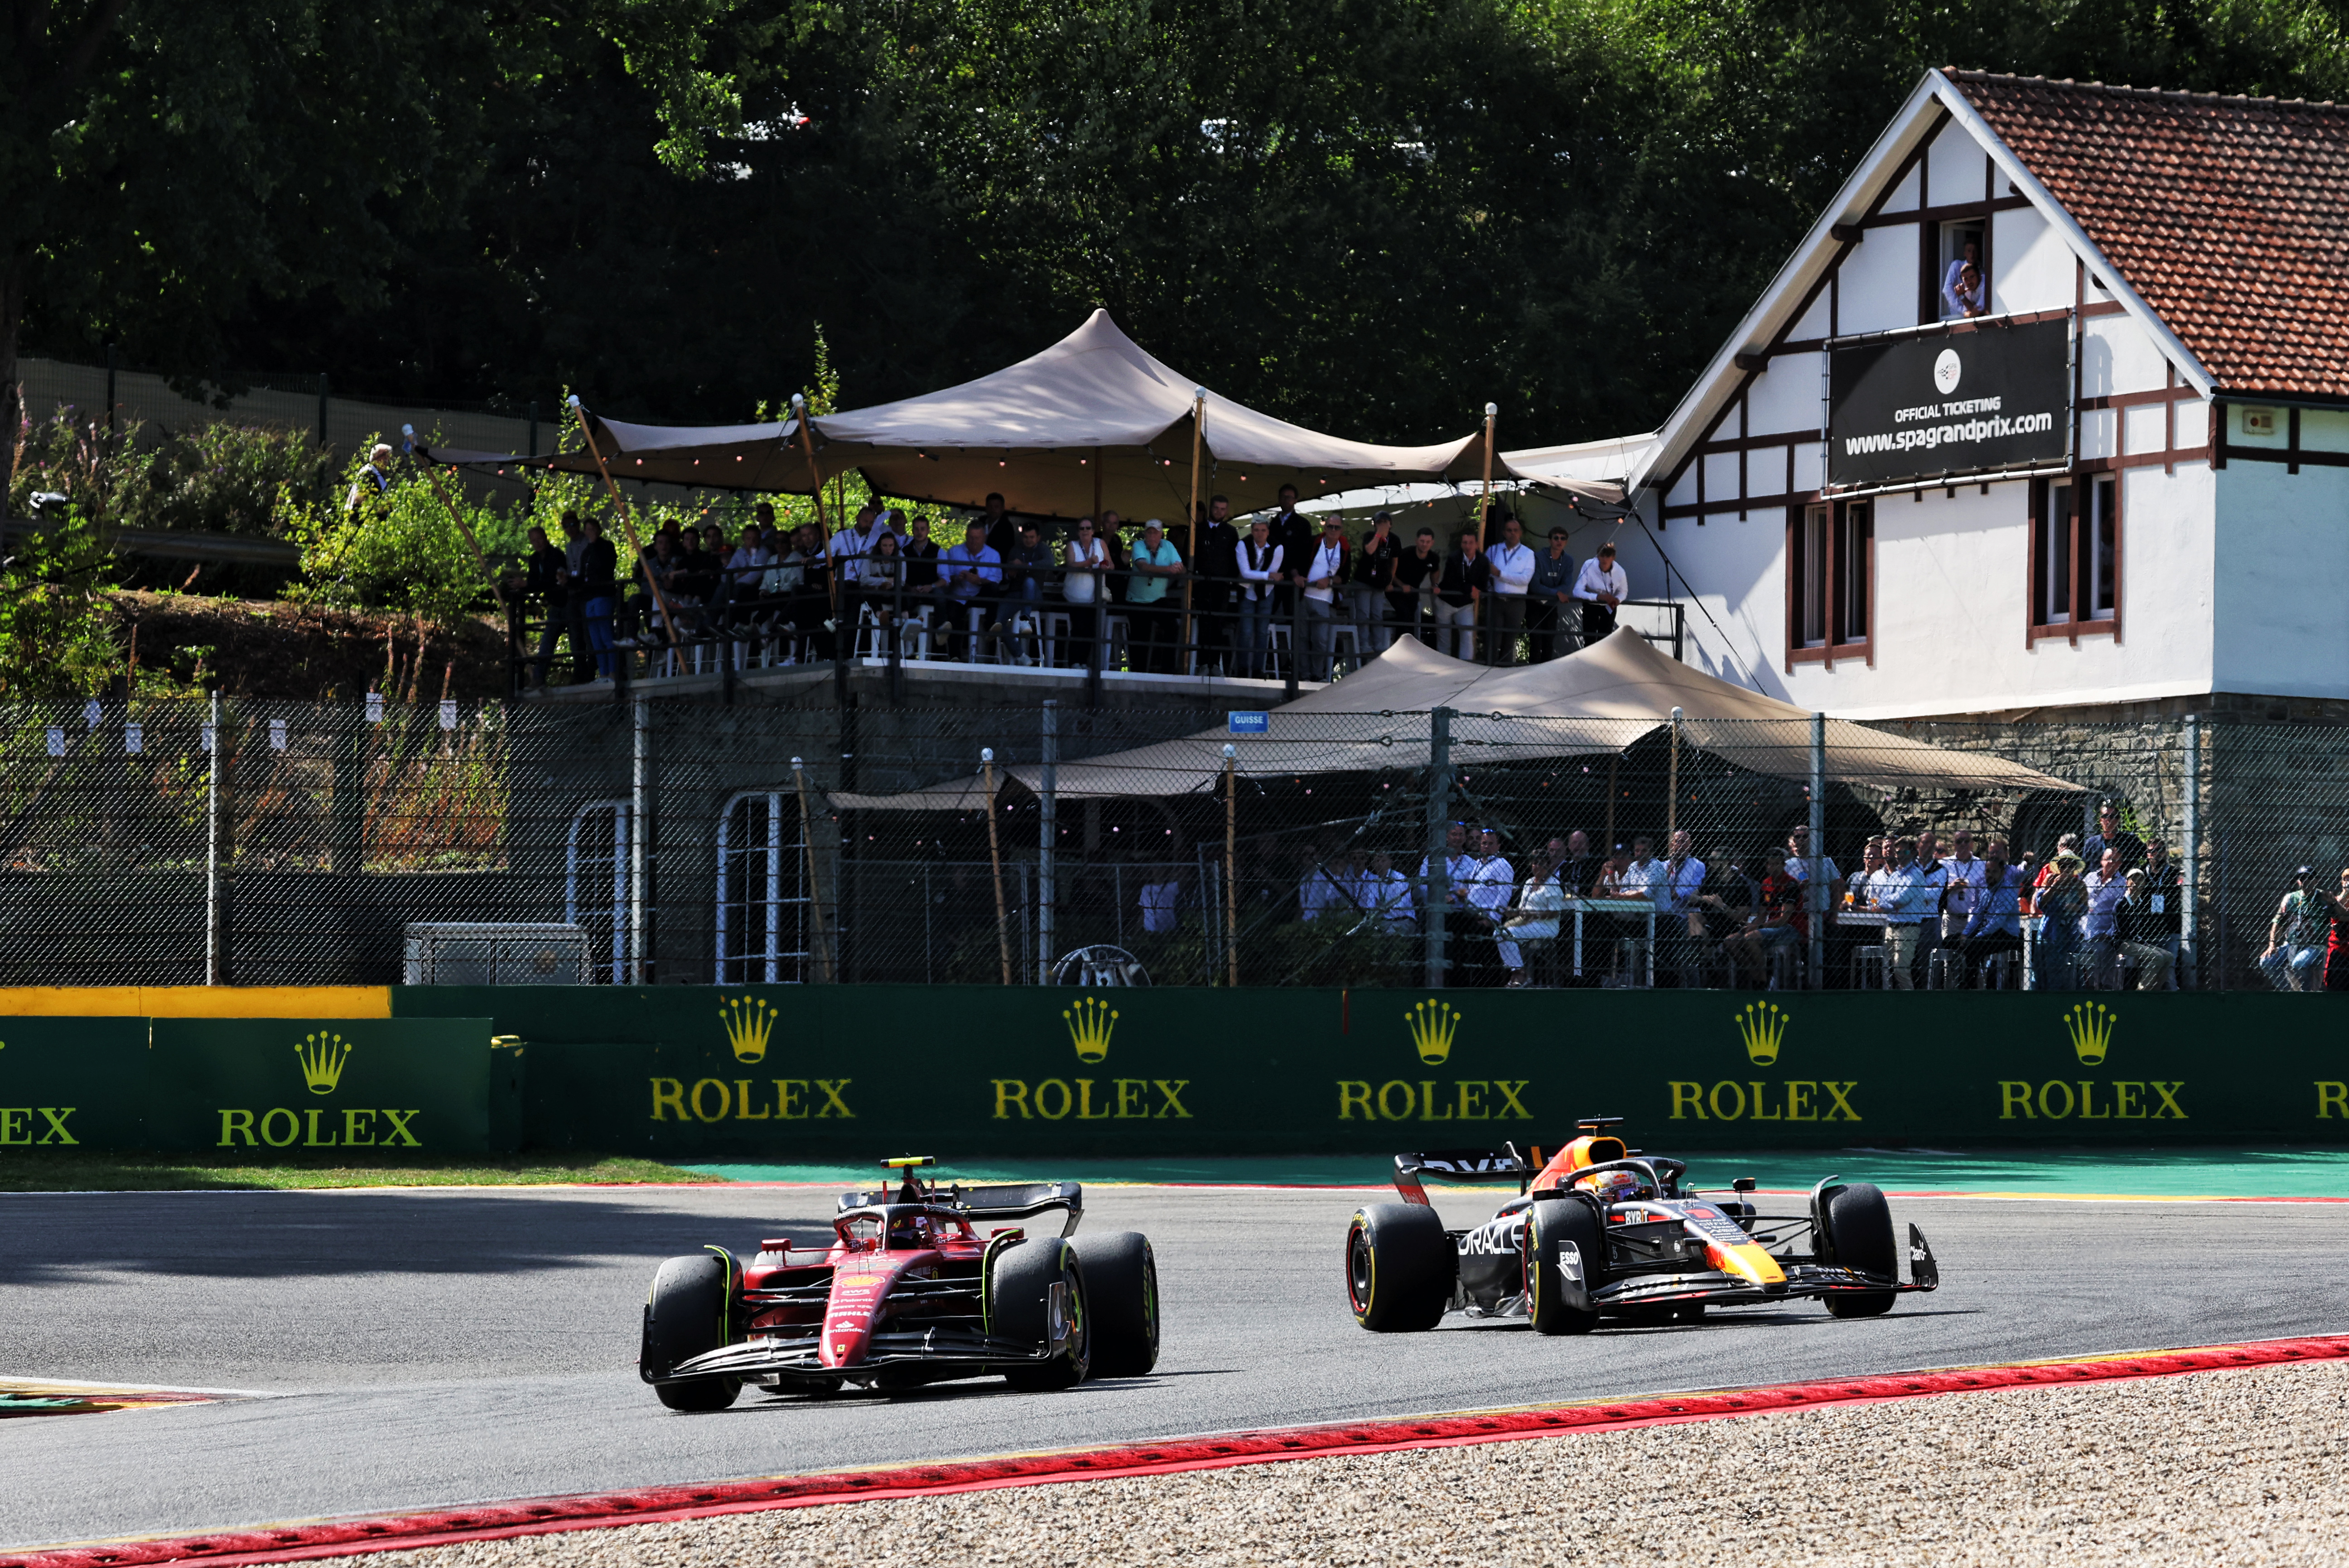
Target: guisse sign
(1941,404)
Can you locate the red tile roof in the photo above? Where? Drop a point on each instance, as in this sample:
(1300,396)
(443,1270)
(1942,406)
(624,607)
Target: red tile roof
(2229,216)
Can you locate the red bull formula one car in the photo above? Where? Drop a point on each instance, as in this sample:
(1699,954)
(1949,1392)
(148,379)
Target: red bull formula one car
(1599,1232)
(907,1292)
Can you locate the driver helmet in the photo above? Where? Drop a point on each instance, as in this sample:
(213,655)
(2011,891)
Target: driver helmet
(1612,1187)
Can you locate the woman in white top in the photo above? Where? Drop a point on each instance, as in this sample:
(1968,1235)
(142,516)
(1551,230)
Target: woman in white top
(1081,587)
(1541,902)
(1259,563)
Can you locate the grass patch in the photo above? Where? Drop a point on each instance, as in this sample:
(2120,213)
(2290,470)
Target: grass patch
(61,1172)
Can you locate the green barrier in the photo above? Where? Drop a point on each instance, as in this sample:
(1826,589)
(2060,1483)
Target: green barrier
(248,1089)
(69,1083)
(785,1073)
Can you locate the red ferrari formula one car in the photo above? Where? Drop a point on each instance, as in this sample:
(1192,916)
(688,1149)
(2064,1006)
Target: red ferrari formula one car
(907,1292)
(1600,1232)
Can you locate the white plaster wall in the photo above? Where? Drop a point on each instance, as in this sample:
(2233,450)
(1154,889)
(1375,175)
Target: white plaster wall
(1959,164)
(1785,397)
(1720,474)
(2324,430)
(2117,355)
(1733,569)
(2096,432)
(1766,471)
(1812,324)
(2031,266)
(1904,195)
(1879,282)
(2283,577)
(1810,466)
(2141,429)
(1952,577)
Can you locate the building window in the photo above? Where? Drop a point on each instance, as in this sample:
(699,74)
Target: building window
(596,882)
(761,891)
(2075,555)
(1831,556)
(1955,237)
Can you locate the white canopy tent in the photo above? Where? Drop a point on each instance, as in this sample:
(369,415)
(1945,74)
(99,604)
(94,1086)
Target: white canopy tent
(1600,702)
(1093,421)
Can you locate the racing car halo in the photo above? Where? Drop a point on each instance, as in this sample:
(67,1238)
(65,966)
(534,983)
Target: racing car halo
(1601,1232)
(907,1293)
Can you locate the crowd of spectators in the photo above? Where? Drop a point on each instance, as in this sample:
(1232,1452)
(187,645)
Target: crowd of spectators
(1927,911)
(1009,588)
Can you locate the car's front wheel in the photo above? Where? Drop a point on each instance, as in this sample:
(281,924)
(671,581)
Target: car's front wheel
(1400,1267)
(685,1316)
(1567,1253)
(1859,1229)
(1022,1306)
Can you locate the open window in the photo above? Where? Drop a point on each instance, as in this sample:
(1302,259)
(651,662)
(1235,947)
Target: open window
(2076,557)
(1956,240)
(1831,559)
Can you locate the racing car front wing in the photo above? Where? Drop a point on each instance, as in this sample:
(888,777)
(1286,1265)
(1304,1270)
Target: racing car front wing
(1804,1280)
(795,1358)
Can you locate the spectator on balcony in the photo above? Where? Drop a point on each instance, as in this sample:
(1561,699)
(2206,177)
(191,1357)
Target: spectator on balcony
(1447,885)
(880,591)
(2106,886)
(1411,595)
(545,575)
(1258,563)
(1386,893)
(1911,895)
(1678,888)
(2165,908)
(1214,586)
(1780,923)
(1320,575)
(1798,846)
(598,565)
(1085,568)
(811,608)
(1534,918)
(1150,601)
(1458,585)
(1601,587)
(1573,864)
(1511,573)
(973,575)
(1490,885)
(1548,593)
(2335,908)
(1964,872)
(2111,834)
(1002,530)
(2298,935)
(1368,586)
(1961,289)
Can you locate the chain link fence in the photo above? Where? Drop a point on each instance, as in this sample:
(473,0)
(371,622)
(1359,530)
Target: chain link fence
(773,841)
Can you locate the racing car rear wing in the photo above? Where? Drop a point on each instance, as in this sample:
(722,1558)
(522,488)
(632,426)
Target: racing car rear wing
(981,1205)
(1462,1164)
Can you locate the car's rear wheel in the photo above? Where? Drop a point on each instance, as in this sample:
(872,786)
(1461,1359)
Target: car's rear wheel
(1020,1299)
(685,1316)
(1400,1267)
(1122,1291)
(1564,1243)
(1860,1230)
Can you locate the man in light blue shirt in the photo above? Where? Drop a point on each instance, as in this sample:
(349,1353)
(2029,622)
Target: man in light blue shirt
(1155,564)
(973,575)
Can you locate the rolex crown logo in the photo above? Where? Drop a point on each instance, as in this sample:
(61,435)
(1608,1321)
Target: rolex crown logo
(2091,1026)
(1762,1025)
(750,1021)
(1090,1022)
(1433,1026)
(322,1057)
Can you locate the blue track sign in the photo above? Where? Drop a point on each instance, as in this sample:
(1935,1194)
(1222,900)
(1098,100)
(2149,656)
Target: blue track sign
(1249,724)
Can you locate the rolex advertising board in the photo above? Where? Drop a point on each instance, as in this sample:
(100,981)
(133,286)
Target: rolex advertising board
(1944,403)
(849,1072)
(251,1090)
(71,1084)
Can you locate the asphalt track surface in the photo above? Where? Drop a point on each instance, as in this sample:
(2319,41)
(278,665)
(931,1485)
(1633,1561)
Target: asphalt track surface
(441,1346)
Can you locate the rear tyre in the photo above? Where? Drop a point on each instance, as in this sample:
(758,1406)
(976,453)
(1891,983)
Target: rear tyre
(1859,1229)
(1019,1307)
(685,1316)
(1400,1268)
(1552,1229)
(1122,1291)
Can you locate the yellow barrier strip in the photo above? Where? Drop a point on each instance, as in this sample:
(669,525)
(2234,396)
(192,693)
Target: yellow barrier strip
(196,1001)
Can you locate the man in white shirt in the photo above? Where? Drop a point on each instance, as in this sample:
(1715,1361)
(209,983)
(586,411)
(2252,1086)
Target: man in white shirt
(1322,574)
(1387,895)
(853,544)
(1964,872)
(1450,886)
(1957,301)
(2107,885)
(1258,563)
(1512,571)
(1321,891)
(1678,883)
(1601,585)
(1907,898)
(1490,885)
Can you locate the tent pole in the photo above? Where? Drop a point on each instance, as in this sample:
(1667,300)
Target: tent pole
(831,578)
(463,528)
(1484,502)
(1191,550)
(1611,763)
(627,518)
(995,853)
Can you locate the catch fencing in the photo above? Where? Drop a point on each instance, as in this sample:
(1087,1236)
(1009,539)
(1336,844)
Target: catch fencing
(761,840)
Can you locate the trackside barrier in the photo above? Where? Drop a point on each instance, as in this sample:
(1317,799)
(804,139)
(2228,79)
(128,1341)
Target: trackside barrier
(245,1090)
(848,1072)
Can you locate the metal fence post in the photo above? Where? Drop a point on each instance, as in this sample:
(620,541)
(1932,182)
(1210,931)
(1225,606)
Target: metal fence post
(1047,836)
(2189,912)
(1435,886)
(1815,883)
(215,911)
(640,829)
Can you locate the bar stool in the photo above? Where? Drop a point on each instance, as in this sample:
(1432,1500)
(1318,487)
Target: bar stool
(1943,971)
(1870,969)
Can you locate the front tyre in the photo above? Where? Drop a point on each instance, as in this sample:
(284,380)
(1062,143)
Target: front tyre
(1122,1291)
(685,1316)
(1400,1268)
(1566,1251)
(1859,1229)
(1022,1306)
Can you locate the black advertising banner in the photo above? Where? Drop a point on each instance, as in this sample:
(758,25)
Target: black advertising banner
(1941,404)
